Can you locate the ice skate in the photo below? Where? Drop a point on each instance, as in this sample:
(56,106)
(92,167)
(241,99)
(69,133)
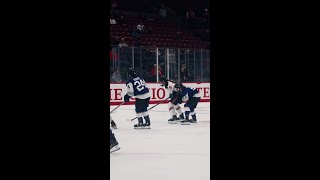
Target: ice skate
(181,117)
(194,119)
(113,125)
(185,122)
(140,124)
(114,145)
(173,120)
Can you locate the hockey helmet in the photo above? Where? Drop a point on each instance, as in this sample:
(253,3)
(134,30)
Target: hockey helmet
(132,72)
(178,87)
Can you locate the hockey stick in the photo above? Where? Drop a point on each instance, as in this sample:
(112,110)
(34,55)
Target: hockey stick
(171,81)
(153,106)
(117,107)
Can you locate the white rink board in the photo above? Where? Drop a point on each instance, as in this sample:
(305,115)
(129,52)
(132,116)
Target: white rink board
(158,93)
(165,152)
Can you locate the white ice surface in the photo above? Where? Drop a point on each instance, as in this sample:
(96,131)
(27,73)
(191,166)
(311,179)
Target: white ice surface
(164,152)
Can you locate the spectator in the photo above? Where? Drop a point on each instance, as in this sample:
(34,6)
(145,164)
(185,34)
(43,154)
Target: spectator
(190,14)
(122,43)
(206,17)
(190,17)
(122,21)
(163,14)
(154,73)
(116,76)
(162,66)
(206,14)
(113,20)
(183,73)
(160,72)
(140,27)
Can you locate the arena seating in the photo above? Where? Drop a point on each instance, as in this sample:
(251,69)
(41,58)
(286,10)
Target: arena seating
(163,35)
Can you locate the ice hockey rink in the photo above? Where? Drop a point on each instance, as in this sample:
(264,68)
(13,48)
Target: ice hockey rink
(164,152)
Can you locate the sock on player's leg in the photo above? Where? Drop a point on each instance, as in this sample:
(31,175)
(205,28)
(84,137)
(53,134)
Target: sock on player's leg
(178,109)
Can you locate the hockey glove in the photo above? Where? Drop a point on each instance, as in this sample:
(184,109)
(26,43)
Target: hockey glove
(126,98)
(179,98)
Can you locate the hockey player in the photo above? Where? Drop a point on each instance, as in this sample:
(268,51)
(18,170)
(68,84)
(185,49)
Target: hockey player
(113,124)
(114,145)
(175,100)
(136,87)
(191,97)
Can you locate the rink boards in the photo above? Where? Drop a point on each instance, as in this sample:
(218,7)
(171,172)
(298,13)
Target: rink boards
(158,93)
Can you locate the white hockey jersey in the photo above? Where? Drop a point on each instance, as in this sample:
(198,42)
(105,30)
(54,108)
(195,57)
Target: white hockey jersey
(170,88)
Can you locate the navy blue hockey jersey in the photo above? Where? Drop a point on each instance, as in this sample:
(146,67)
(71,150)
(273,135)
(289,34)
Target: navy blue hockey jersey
(137,87)
(188,93)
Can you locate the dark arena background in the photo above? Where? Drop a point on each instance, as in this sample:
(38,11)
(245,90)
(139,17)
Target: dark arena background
(160,38)
(247,66)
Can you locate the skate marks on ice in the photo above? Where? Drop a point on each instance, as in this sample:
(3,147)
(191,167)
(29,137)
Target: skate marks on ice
(167,154)
(161,112)
(166,151)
